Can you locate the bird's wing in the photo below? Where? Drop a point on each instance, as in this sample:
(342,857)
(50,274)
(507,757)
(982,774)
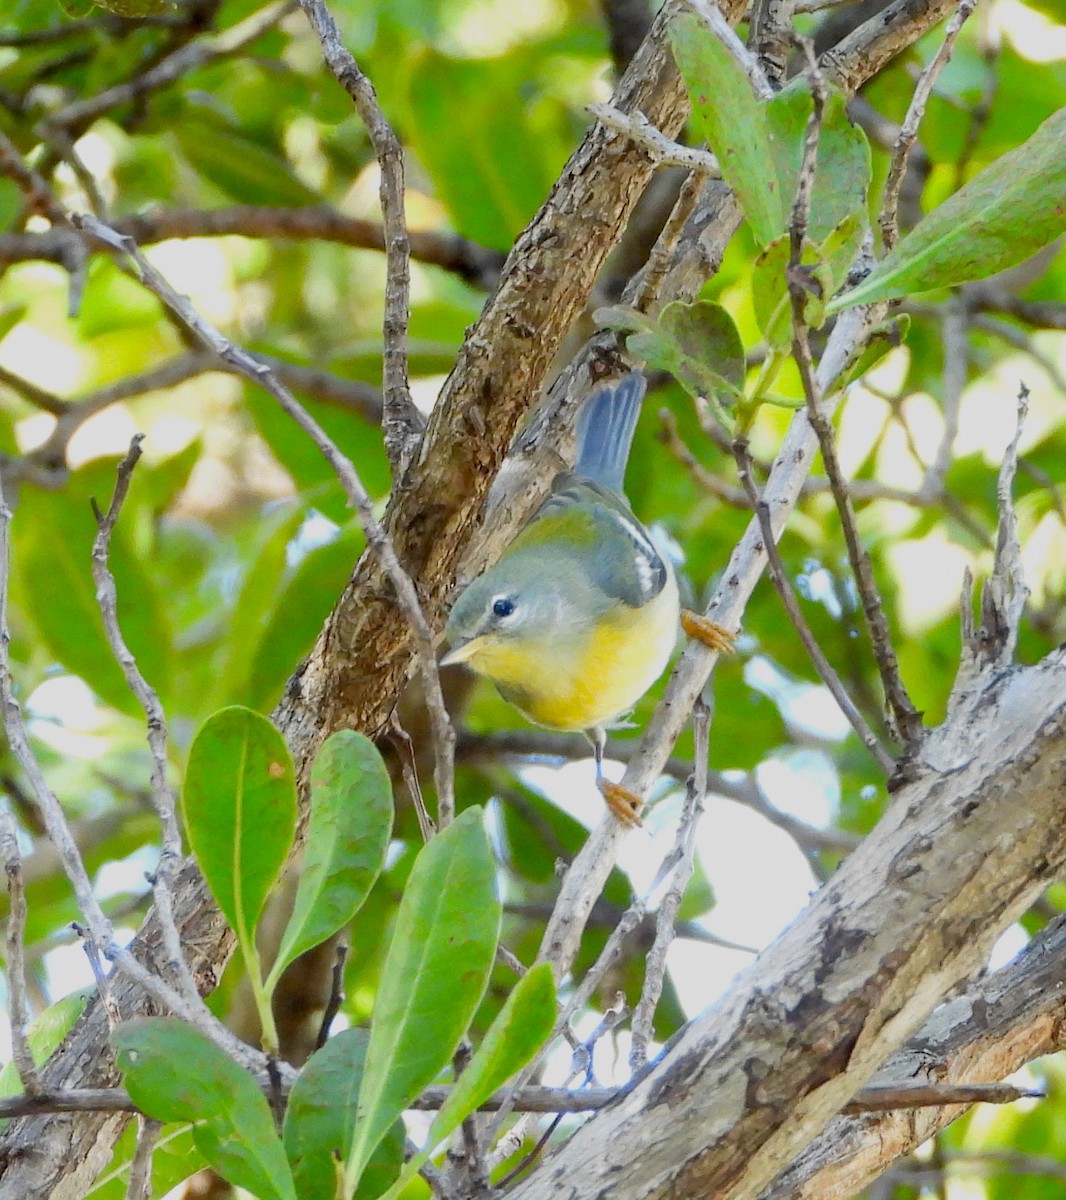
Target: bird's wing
(599,526)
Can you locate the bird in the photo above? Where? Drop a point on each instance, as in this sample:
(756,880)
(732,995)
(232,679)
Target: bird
(580,614)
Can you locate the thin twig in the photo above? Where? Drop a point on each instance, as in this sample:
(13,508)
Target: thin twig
(336,994)
(470,1159)
(35,395)
(906,719)
(163,799)
(1004,594)
(636,126)
(405,752)
(477,264)
(712,17)
(782,583)
(139,1186)
(908,133)
(882,1097)
(62,145)
(875,1098)
(254,369)
(80,114)
(15,942)
(685,849)
(402,423)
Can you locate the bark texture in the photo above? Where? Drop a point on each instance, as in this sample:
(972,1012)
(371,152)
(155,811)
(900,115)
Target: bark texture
(963,850)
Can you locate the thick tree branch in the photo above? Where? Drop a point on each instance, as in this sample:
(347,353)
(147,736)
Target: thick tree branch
(356,670)
(1011,1018)
(961,852)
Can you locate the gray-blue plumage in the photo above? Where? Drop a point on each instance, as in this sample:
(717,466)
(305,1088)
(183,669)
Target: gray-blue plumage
(605,430)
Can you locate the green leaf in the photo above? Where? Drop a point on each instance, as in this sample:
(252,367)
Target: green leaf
(842,174)
(468,116)
(351,823)
(1004,214)
(305,601)
(174,1073)
(251,611)
(239,806)
(759,144)
(829,263)
(434,976)
(522,1026)
(727,113)
(699,345)
(52,537)
(44,1035)
(320,1122)
(241,168)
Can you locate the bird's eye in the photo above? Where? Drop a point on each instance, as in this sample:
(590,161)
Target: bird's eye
(503,607)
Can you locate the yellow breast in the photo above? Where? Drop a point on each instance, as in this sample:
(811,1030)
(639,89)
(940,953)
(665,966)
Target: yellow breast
(581,683)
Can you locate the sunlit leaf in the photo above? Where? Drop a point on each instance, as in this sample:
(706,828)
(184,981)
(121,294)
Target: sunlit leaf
(1003,215)
(239,806)
(174,1073)
(438,964)
(351,822)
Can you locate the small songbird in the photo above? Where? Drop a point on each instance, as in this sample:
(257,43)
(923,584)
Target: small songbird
(579,616)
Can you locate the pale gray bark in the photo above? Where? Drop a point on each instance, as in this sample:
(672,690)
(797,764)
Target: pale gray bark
(961,852)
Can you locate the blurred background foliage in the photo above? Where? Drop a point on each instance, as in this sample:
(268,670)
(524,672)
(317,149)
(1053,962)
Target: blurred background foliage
(236,542)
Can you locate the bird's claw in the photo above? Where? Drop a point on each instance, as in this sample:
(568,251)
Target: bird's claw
(625,805)
(710,633)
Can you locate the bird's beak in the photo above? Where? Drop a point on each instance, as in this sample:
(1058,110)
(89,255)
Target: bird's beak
(464,651)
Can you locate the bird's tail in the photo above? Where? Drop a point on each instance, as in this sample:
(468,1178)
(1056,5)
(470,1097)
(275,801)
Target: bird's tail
(605,430)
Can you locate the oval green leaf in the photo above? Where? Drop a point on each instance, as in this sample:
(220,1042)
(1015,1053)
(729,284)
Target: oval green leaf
(174,1073)
(700,345)
(351,823)
(728,114)
(521,1027)
(1004,214)
(320,1122)
(434,976)
(842,171)
(239,805)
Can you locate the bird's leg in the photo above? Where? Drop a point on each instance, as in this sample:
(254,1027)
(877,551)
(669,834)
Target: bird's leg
(625,804)
(710,633)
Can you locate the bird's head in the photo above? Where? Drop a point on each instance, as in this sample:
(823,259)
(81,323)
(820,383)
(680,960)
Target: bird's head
(516,608)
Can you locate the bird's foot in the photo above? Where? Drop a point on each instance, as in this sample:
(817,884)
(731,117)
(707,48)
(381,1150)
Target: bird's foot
(710,633)
(625,805)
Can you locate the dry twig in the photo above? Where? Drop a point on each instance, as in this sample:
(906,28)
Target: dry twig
(680,873)
(402,423)
(254,369)
(781,582)
(15,941)
(908,133)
